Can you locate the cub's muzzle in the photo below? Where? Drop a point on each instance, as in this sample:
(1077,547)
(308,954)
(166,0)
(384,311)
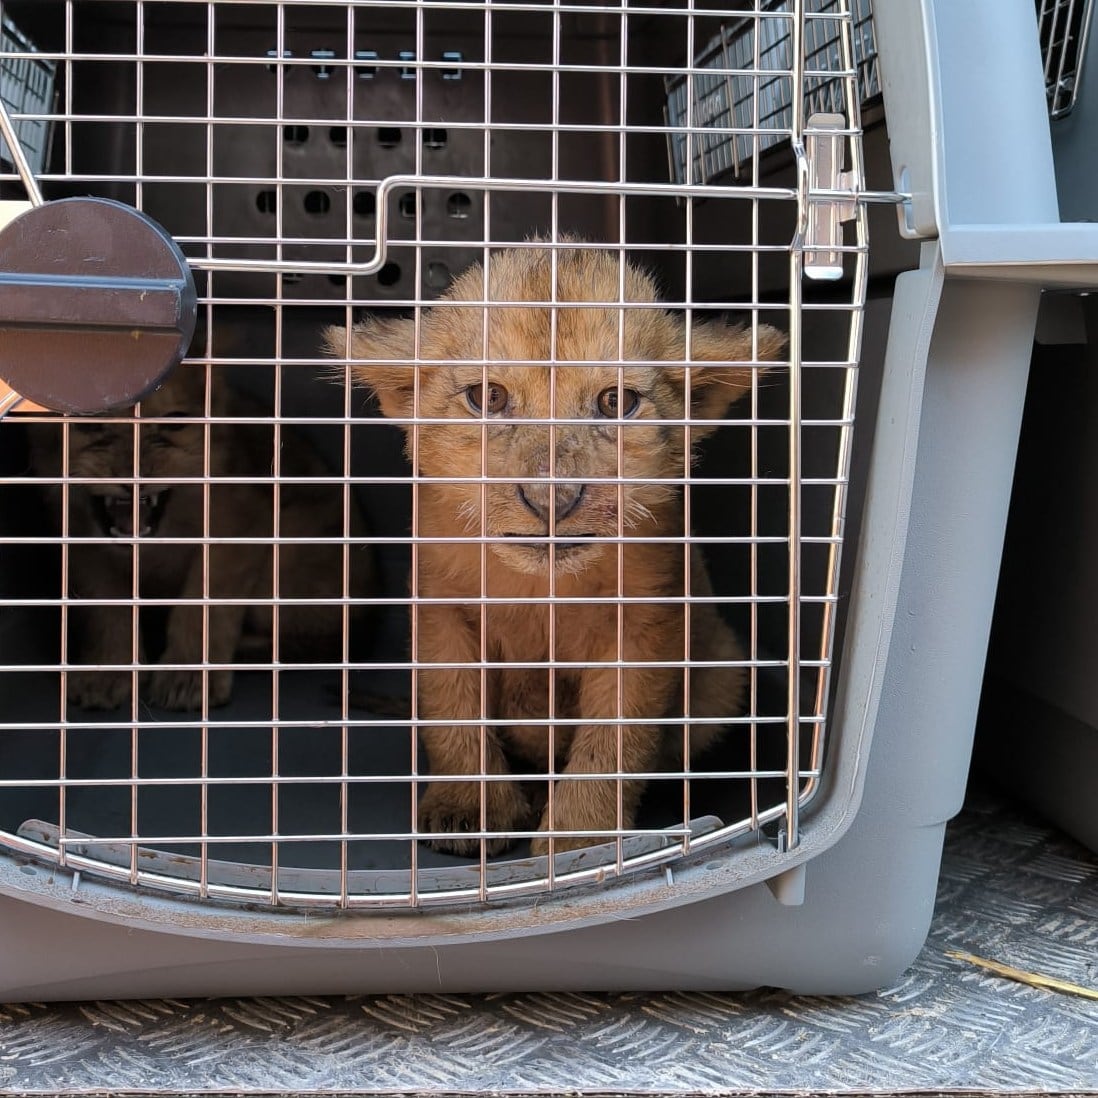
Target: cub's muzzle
(541,498)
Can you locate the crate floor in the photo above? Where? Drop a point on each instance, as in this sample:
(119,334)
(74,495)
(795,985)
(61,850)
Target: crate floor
(236,755)
(1011,889)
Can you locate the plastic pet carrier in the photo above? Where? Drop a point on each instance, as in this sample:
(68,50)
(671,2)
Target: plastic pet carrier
(1041,657)
(493,496)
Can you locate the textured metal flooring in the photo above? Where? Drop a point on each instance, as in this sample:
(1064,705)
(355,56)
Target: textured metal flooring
(1011,889)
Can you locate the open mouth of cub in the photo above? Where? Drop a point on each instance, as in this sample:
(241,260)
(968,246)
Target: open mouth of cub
(115,513)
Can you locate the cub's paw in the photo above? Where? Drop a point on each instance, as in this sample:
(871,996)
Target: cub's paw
(540,846)
(182,690)
(578,806)
(454,808)
(99,689)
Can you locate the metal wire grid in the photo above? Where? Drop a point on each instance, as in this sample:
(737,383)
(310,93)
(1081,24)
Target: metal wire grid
(272,860)
(1063,27)
(743,95)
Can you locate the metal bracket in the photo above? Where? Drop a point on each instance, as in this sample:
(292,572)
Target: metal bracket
(829,201)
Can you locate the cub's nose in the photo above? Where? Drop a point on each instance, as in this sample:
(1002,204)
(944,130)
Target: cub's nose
(538,497)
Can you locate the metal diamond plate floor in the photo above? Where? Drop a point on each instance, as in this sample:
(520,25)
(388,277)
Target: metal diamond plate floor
(1011,889)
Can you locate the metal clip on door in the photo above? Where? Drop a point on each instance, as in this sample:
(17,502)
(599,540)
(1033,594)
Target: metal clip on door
(97,302)
(828,206)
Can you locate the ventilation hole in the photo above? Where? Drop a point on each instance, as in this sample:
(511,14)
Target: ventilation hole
(338,280)
(438,276)
(389,275)
(317,202)
(295,135)
(323,72)
(388,137)
(407,72)
(459,205)
(273,54)
(338,136)
(365,204)
(366,72)
(434,139)
(407,205)
(454,57)
(266,202)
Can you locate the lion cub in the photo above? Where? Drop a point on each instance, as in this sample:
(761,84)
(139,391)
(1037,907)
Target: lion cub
(167,570)
(595,475)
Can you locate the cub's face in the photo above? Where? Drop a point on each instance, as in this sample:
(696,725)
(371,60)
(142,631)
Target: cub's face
(173,448)
(568,421)
(600,470)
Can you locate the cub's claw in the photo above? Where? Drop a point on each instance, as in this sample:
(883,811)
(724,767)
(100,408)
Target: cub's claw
(99,689)
(182,690)
(454,808)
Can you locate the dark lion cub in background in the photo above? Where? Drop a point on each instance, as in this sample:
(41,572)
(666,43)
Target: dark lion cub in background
(487,382)
(162,511)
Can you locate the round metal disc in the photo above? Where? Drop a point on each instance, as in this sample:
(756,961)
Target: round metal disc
(97,305)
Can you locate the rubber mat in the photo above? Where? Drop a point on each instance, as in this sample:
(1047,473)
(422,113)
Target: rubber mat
(1011,890)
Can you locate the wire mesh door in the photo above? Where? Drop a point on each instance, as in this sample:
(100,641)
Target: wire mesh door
(487,540)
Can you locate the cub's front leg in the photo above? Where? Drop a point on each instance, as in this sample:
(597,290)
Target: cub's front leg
(101,635)
(608,804)
(235,570)
(107,638)
(452,810)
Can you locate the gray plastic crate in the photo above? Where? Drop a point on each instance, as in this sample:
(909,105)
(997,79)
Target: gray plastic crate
(268,847)
(1039,721)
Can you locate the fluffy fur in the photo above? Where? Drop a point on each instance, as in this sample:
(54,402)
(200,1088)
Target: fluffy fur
(510,349)
(175,448)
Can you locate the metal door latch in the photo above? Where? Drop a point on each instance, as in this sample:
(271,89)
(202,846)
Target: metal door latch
(828,207)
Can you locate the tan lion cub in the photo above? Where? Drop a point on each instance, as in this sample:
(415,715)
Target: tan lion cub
(102,634)
(489,384)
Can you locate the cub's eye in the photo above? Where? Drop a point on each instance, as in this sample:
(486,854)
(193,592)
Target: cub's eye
(490,398)
(609,405)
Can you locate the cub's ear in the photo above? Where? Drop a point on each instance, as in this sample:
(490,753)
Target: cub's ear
(381,351)
(721,350)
